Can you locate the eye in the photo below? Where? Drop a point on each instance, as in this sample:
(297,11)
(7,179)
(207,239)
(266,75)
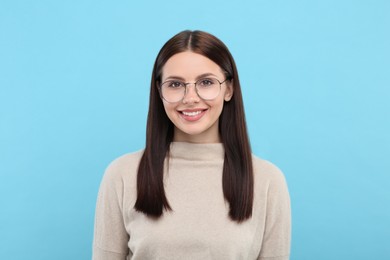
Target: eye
(175,84)
(206,82)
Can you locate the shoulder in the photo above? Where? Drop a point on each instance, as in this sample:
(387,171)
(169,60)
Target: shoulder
(271,188)
(266,169)
(125,161)
(123,167)
(266,172)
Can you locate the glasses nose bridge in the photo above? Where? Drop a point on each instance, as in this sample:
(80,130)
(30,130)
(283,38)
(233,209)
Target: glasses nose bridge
(186,87)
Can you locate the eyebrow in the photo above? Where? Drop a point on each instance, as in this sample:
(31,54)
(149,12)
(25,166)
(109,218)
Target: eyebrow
(198,77)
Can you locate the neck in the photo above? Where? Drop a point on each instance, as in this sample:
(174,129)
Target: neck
(179,136)
(197,152)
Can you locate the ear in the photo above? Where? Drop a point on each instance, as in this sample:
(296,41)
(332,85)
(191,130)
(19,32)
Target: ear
(229,91)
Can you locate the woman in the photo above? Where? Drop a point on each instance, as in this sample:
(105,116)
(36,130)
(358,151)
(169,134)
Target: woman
(195,191)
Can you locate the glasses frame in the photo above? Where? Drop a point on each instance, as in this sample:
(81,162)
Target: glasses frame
(196,89)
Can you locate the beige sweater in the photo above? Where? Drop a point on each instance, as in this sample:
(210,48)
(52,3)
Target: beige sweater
(199,226)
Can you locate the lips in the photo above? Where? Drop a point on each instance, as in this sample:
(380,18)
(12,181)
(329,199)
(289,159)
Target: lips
(193,114)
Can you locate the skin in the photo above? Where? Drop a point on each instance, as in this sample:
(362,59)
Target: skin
(202,128)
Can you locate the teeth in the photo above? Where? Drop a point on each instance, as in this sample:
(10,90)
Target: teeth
(191,113)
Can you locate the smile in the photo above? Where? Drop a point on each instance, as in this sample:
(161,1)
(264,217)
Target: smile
(192,115)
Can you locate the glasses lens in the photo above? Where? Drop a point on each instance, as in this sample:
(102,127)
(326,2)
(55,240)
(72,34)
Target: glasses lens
(173,91)
(208,88)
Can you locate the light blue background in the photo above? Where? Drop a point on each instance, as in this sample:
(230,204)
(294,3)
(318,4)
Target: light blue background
(74,85)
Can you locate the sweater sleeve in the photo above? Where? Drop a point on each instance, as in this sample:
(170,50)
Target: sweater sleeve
(110,236)
(277,233)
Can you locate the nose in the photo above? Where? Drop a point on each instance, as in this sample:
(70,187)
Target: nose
(190,95)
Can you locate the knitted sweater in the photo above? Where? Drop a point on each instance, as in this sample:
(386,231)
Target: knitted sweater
(198,227)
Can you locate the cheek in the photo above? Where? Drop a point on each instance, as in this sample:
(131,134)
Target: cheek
(169,110)
(217,106)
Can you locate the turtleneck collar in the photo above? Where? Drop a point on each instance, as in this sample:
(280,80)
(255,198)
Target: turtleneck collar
(197,152)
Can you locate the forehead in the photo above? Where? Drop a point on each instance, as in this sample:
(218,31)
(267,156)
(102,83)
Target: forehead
(189,65)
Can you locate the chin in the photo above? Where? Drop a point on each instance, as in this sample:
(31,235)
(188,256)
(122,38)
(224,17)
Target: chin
(191,132)
(197,134)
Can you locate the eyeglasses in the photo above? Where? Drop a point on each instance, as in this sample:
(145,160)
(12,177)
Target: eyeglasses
(174,91)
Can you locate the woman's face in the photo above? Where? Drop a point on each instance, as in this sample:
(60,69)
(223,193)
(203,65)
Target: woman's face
(195,119)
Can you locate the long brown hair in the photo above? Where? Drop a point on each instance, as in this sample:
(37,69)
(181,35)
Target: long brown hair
(237,170)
